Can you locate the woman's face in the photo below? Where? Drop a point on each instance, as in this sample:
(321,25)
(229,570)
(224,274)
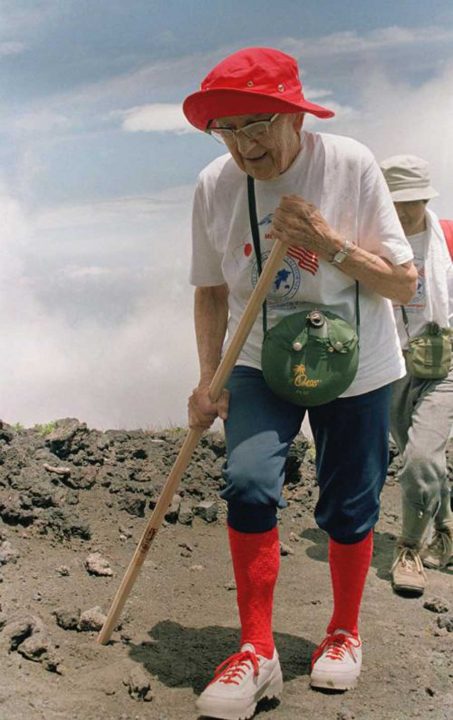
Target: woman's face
(269,156)
(412,216)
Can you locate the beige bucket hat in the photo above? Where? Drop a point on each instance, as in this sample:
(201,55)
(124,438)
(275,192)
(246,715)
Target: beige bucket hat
(408,178)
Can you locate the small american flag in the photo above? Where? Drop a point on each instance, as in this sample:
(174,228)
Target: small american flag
(306,259)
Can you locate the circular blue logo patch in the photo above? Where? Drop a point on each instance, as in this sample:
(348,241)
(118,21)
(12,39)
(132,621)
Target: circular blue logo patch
(286,282)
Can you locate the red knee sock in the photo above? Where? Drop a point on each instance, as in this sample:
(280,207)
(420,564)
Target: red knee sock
(349,566)
(256,561)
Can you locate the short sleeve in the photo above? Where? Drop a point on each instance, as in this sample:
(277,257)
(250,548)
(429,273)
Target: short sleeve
(450,293)
(206,264)
(380,230)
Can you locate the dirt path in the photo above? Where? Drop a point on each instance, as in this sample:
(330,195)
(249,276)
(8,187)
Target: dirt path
(180,621)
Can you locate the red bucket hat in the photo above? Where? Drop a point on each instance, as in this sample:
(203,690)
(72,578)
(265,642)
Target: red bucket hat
(252,80)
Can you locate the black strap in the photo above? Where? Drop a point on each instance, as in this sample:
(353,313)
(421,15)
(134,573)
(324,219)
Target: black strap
(432,327)
(257,248)
(256,236)
(357,308)
(405,321)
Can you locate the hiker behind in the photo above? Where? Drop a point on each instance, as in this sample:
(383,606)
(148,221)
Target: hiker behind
(325,198)
(422,401)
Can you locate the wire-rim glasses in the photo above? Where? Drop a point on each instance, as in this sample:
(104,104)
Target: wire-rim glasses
(254,131)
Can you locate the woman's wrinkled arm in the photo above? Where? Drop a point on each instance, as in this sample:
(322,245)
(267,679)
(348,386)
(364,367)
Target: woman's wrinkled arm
(211,317)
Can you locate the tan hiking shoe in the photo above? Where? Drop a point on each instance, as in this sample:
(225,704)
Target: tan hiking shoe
(408,575)
(439,552)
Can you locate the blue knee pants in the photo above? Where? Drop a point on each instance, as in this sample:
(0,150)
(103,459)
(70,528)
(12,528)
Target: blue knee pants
(351,440)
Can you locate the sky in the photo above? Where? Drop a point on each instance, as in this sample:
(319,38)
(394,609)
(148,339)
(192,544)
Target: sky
(98,167)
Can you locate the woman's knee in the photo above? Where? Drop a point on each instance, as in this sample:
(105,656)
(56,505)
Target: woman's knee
(348,524)
(252,483)
(421,479)
(256,518)
(421,495)
(350,533)
(253,494)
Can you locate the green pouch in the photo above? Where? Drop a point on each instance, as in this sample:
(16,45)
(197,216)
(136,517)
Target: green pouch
(429,354)
(310,357)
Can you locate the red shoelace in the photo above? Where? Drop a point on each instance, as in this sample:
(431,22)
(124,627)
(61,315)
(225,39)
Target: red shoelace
(337,645)
(233,669)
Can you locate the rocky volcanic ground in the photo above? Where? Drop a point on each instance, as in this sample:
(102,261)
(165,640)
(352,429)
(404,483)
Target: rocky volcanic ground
(74,503)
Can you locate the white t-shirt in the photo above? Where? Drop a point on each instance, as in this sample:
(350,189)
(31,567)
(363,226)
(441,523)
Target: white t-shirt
(433,300)
(341,178)
(416,310)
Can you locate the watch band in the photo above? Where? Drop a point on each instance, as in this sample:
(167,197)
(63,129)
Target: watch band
(342,254)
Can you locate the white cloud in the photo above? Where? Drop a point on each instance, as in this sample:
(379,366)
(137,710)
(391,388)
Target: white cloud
(95,100)
(136,375)
(157,117)
(42,120)
(146,82)
(136,371)
(394,117)
(122,210)
(90,271)
(317,93)
(11,48)
(343,113)
(351,42)
(19,17)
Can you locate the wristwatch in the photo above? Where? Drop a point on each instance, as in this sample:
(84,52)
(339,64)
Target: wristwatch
(342,254)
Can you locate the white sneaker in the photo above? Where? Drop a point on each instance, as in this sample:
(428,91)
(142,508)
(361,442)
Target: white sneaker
(336,663)
(239,683)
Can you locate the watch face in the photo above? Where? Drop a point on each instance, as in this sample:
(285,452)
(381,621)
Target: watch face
(340,256)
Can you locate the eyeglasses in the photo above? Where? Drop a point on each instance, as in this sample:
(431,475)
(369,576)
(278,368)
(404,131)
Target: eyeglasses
(254,131)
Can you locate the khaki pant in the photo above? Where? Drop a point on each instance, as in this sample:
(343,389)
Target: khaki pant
(421,419)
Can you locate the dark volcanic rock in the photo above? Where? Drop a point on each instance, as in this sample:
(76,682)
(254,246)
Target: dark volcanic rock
(67,619)
(208,510)
(12,512)
(92,619)
(61,439)
(185,513)
(445,621)
(132,504)
(8,554)
(48,469)
(436,605)
(14,459)
(64,525)
(42,467)
(6,434)
(81,478)
(28,635)
(139,685)
(41,496)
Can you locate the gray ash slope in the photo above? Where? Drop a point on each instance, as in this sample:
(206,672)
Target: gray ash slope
(73,505)
(45,470)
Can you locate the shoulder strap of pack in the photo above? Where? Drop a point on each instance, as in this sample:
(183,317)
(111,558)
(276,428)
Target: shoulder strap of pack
(447,227)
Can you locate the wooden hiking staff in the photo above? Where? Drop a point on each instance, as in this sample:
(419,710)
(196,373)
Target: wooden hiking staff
(193,436)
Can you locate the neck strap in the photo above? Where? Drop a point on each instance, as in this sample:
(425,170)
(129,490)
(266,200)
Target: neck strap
(256,236)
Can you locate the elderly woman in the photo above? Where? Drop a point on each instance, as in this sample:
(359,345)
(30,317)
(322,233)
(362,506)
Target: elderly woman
(325,198)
